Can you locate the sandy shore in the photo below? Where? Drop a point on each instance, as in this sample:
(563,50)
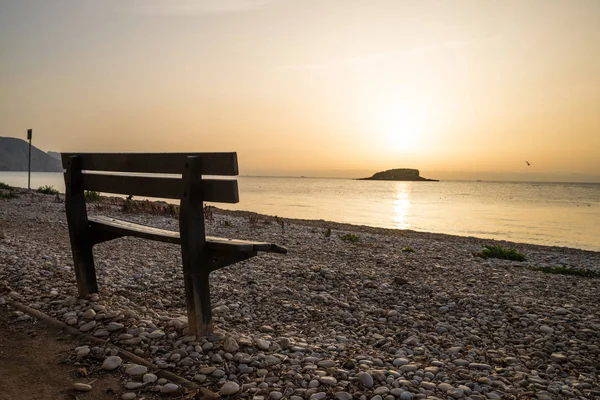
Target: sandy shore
(332,319)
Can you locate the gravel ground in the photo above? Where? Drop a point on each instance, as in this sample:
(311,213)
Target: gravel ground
(332,319)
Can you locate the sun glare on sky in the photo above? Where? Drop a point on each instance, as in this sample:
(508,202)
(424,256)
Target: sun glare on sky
(316,88)
(403,127)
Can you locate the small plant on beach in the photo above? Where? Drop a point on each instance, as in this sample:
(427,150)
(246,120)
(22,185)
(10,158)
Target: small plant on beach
(8,194)
(253,220)
(350,237)
(172,210)
(586,273)
(47,190)
(281,223)
(227,224)
(327,232)
(209,214)
(5,186)
(91,196)
(408,249)
(502,253)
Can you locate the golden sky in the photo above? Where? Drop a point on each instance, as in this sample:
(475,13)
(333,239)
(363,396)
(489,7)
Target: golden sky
(465,89)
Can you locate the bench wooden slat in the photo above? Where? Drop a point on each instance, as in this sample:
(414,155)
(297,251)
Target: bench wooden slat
(215,190)
(156,163)
(127,228)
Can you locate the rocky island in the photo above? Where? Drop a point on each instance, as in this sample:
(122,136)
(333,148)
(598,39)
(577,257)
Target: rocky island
(398,174)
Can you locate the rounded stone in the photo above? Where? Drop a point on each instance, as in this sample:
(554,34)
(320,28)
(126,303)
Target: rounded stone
(128,396)
(111,363)
(343,396)
(456,393)
(546,329)
(136,370)
(169,388)
(328,380)
(275,395)
(230,345)
(87,327)
(406,396)
(381,390)
(82,387)
(398,362)
(262,344)
(229,388)
(149,378)
(133,385)
(365,379)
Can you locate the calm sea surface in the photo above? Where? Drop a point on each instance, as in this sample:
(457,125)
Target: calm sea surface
(562,214)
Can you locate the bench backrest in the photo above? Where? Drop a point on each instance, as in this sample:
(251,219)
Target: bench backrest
(133,170)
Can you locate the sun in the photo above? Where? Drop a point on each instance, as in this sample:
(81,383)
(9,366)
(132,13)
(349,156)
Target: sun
(403,128)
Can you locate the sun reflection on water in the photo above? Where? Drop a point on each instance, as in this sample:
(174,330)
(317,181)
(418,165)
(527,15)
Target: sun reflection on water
(402,206)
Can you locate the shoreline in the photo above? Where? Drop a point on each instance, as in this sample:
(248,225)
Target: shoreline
(332,319)
(519,229)
(322,223)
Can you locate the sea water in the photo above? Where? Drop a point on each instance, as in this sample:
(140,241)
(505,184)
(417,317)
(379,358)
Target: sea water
(558,214)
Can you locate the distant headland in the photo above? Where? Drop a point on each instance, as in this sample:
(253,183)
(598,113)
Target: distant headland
(14,156)
(398,174)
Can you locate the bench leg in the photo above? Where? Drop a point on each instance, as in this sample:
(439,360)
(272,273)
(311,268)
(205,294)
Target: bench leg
(85,271)
(197,298)
(79,232)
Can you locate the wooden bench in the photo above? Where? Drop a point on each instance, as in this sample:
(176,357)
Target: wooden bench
(127,174)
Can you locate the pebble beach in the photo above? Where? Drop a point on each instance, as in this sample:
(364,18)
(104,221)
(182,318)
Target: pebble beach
(395,314)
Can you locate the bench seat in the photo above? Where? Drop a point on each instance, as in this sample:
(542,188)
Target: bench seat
(136,176)
(126,228)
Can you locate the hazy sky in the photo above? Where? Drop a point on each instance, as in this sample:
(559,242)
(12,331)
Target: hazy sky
(457,89)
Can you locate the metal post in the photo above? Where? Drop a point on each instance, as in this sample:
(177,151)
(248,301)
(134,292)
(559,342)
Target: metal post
(29,134)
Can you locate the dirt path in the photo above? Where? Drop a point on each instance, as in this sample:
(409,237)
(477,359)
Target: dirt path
(31,367)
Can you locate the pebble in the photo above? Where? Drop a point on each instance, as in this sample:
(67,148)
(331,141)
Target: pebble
(114,326)
(111,362)
(480,366)
(89,314)
(88,326)
(128,396)
(157,334)
(343,396)
(230,345)
(229,388)
(398,362)
(456,393)
(406,396)
(220,310)
(381,390)
(262,344)
(133,385)
(136,370)
(82,387)
(275,395)
(546,329)
(169,388)
(149,378)
(328,380)
(365,379)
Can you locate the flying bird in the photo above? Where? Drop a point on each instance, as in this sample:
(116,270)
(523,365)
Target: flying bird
(528,164)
